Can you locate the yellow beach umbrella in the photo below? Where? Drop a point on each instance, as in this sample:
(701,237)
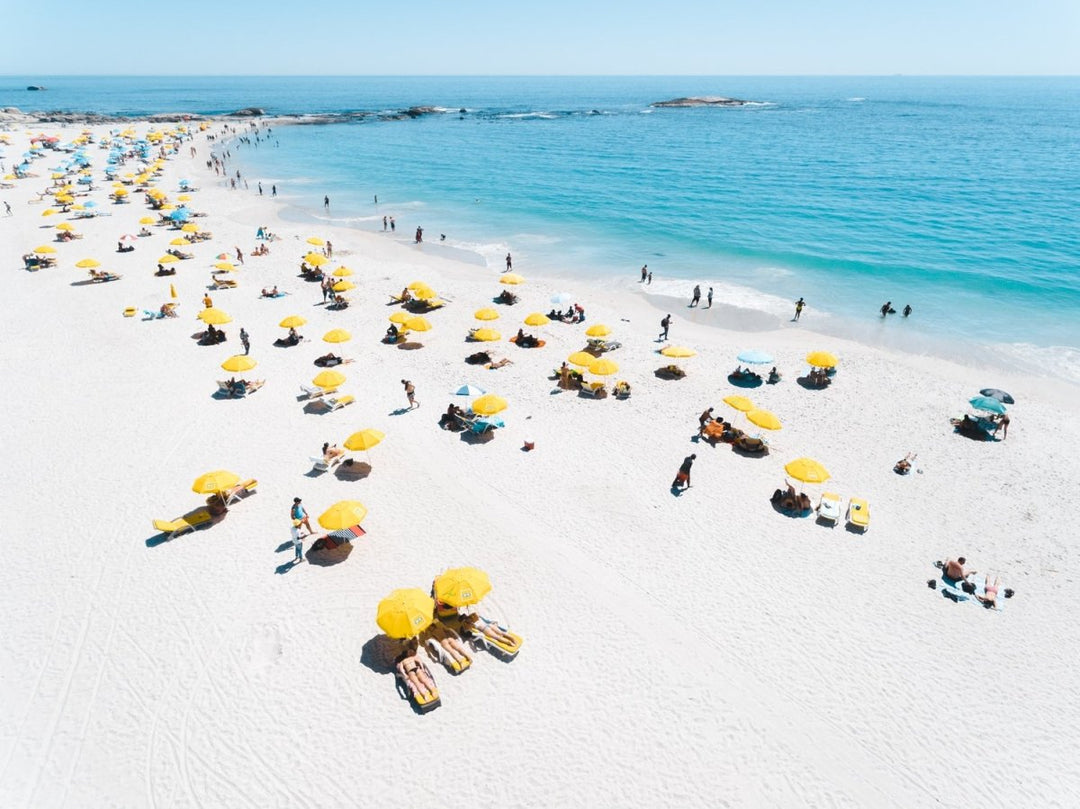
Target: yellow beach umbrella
(87,264)
(512,279)
(603,367)
(582,359)
(489,404)
(213,317)
(598,330)
(238,364)
(224,266)
(181,198)
(364,440)
(807,470)
(147,220)
(739,403)
(168,258)
(214,482)
(401,318)
(678,352)
(45,248)
(172,291)
(180,241)
(537,319)
(821,359)
(462,586)
(764,419)
(425,293)
(342,272)
(316,259)
(292,322)
(343,514)
(337,336)
(486,314)
(415,285)
(315,240)
(48,212)
(405,613)
(120,192)
(417,324)
(66,226)
(344,286)
(486,335)
(190,227)
(329,379)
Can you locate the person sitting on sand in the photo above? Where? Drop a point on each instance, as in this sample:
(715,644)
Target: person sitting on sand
(168,310)
(955,569)
(332,453)
(392,333)
(406,295)
(903,466)
(448,420)
(774,376)
(294,336)
(416,676)
(328,360)
(145,232)
(482,626)
(271,293)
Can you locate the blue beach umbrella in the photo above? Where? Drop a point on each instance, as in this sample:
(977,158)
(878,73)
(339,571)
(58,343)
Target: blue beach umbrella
(754,357)
(987,403)
(491,421)
(179,215)
(469,389)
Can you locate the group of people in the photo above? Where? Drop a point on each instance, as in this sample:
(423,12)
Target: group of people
(787,499)
(524,340)
(212,336)
(450,419)
(573,314)
(887,309)
(955,572)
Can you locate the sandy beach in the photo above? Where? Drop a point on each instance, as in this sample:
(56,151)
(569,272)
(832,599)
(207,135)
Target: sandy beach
(680,650)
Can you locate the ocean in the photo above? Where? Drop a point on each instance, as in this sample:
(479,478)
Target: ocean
(957,196)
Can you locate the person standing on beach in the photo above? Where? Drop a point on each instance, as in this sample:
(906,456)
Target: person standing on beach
(664,325)
(709,297)
(273,190)
(384,224)
(393,225)
(260,189)
(239,256)
(298,543)
(644,273)
(7,208)
(696,299)
(299,515)
(326,286)
(648,281)
(509,263)
(326,203)
(410,392)
(419,235)
(682,477)
(799,304)
(329,249)
(245,340)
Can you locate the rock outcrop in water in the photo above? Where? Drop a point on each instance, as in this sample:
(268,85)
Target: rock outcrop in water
(701,101)
(248,112)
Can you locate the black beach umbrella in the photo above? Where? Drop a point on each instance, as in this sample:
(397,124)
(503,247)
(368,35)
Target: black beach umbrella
(1000,395)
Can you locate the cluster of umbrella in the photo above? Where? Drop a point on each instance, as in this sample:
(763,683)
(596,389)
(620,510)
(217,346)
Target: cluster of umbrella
(762,418)
(407,612)
(597,366)
(992,400)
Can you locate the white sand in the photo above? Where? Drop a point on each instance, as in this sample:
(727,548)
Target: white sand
(700,650)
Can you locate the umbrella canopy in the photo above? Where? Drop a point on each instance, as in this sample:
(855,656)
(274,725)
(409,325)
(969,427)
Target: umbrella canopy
(754,357)
(678,352)
(292,322)
(129,237)
(214,482)
(821,359)
(213,317)
(344,286)
(329,379)
(405,613)
(582,359)
(65,226)
(87,264)
(415,285)
(807,470)
(147,220)
(537,319)
(316,259)
(1000,395)
(486,335)
(987,403)
(511,278)
(180,241)
(468,389)
(400,318)
(598,330)
(425,293)
(45,248)
(462,586)
(48,212)
(343,514)
(342,272)
(315,240)
(168,258)
(740,403)
(365,439)
(225,266)
(417,324)
(486,314)
(489,404)
(190,227)
(603,367)
(238,363)
(337,336)
(764,419)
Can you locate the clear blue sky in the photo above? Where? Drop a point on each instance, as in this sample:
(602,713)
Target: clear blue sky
(503,37)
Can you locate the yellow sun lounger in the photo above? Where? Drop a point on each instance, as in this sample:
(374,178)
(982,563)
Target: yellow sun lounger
(504,649)
(858,514)
(422,703)
(242,489)
(181,525)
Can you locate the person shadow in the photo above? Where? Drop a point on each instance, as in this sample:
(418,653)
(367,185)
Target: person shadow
(401,411)
(285,567)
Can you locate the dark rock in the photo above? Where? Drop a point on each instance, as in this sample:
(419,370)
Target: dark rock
(249,112)
(701,101)
(35,87)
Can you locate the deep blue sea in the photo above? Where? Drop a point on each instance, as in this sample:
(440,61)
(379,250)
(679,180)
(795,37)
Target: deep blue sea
(958,196)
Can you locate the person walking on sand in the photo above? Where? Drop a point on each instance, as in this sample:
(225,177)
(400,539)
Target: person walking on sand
(299,515)
(682,477)
(696,299)
(709,298)
(244,340)
(260,189)
(1003,425)
(664,325)
(7,208)
(799,304)
(329,249)
(509,263)
(410,392)
(298,543)
(240,256)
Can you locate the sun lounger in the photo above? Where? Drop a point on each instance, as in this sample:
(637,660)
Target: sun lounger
(181,525)
(237,392)
(594,389)
(439,652)
(320,464)
(622,389)
(508,651)
(239,491)
(829,508)
(103,276)
(316,393)
(422,703)
(337,403)
(858,514)
(222,283)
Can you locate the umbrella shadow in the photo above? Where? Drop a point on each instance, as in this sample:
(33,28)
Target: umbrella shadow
(356,470)
(322,556)
(742,381)
(381,653)
(808,384)
(469,437)
(85,283)
(409,346)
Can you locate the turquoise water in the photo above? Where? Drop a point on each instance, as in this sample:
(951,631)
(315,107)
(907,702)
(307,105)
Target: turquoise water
(956,195)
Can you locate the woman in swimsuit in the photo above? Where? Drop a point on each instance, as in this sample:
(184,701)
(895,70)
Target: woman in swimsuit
(416,676)
(990,599)
(482,626)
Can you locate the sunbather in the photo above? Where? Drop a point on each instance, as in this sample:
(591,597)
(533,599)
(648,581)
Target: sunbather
(332,453)
(415,674)
(270,293)
(452,645)
(903,466)
(955,568)
(482,626)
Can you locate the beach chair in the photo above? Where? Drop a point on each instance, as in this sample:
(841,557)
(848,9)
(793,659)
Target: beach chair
(858,514)
(422,703)
(505,650)
(622,389)
(829,508)
(320,464)
(239,491)
(595,389)
(316,393)
(438,651)
(181,525)
(336,403)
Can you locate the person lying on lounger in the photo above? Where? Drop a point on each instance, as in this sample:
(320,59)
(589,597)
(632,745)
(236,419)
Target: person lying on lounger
(415,674)
(481,626)
(453,646)
(332,453)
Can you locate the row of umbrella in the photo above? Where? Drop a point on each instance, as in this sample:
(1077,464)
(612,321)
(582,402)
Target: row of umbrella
(407,612)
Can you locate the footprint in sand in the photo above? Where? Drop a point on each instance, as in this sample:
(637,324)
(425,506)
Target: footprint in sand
(263,648)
